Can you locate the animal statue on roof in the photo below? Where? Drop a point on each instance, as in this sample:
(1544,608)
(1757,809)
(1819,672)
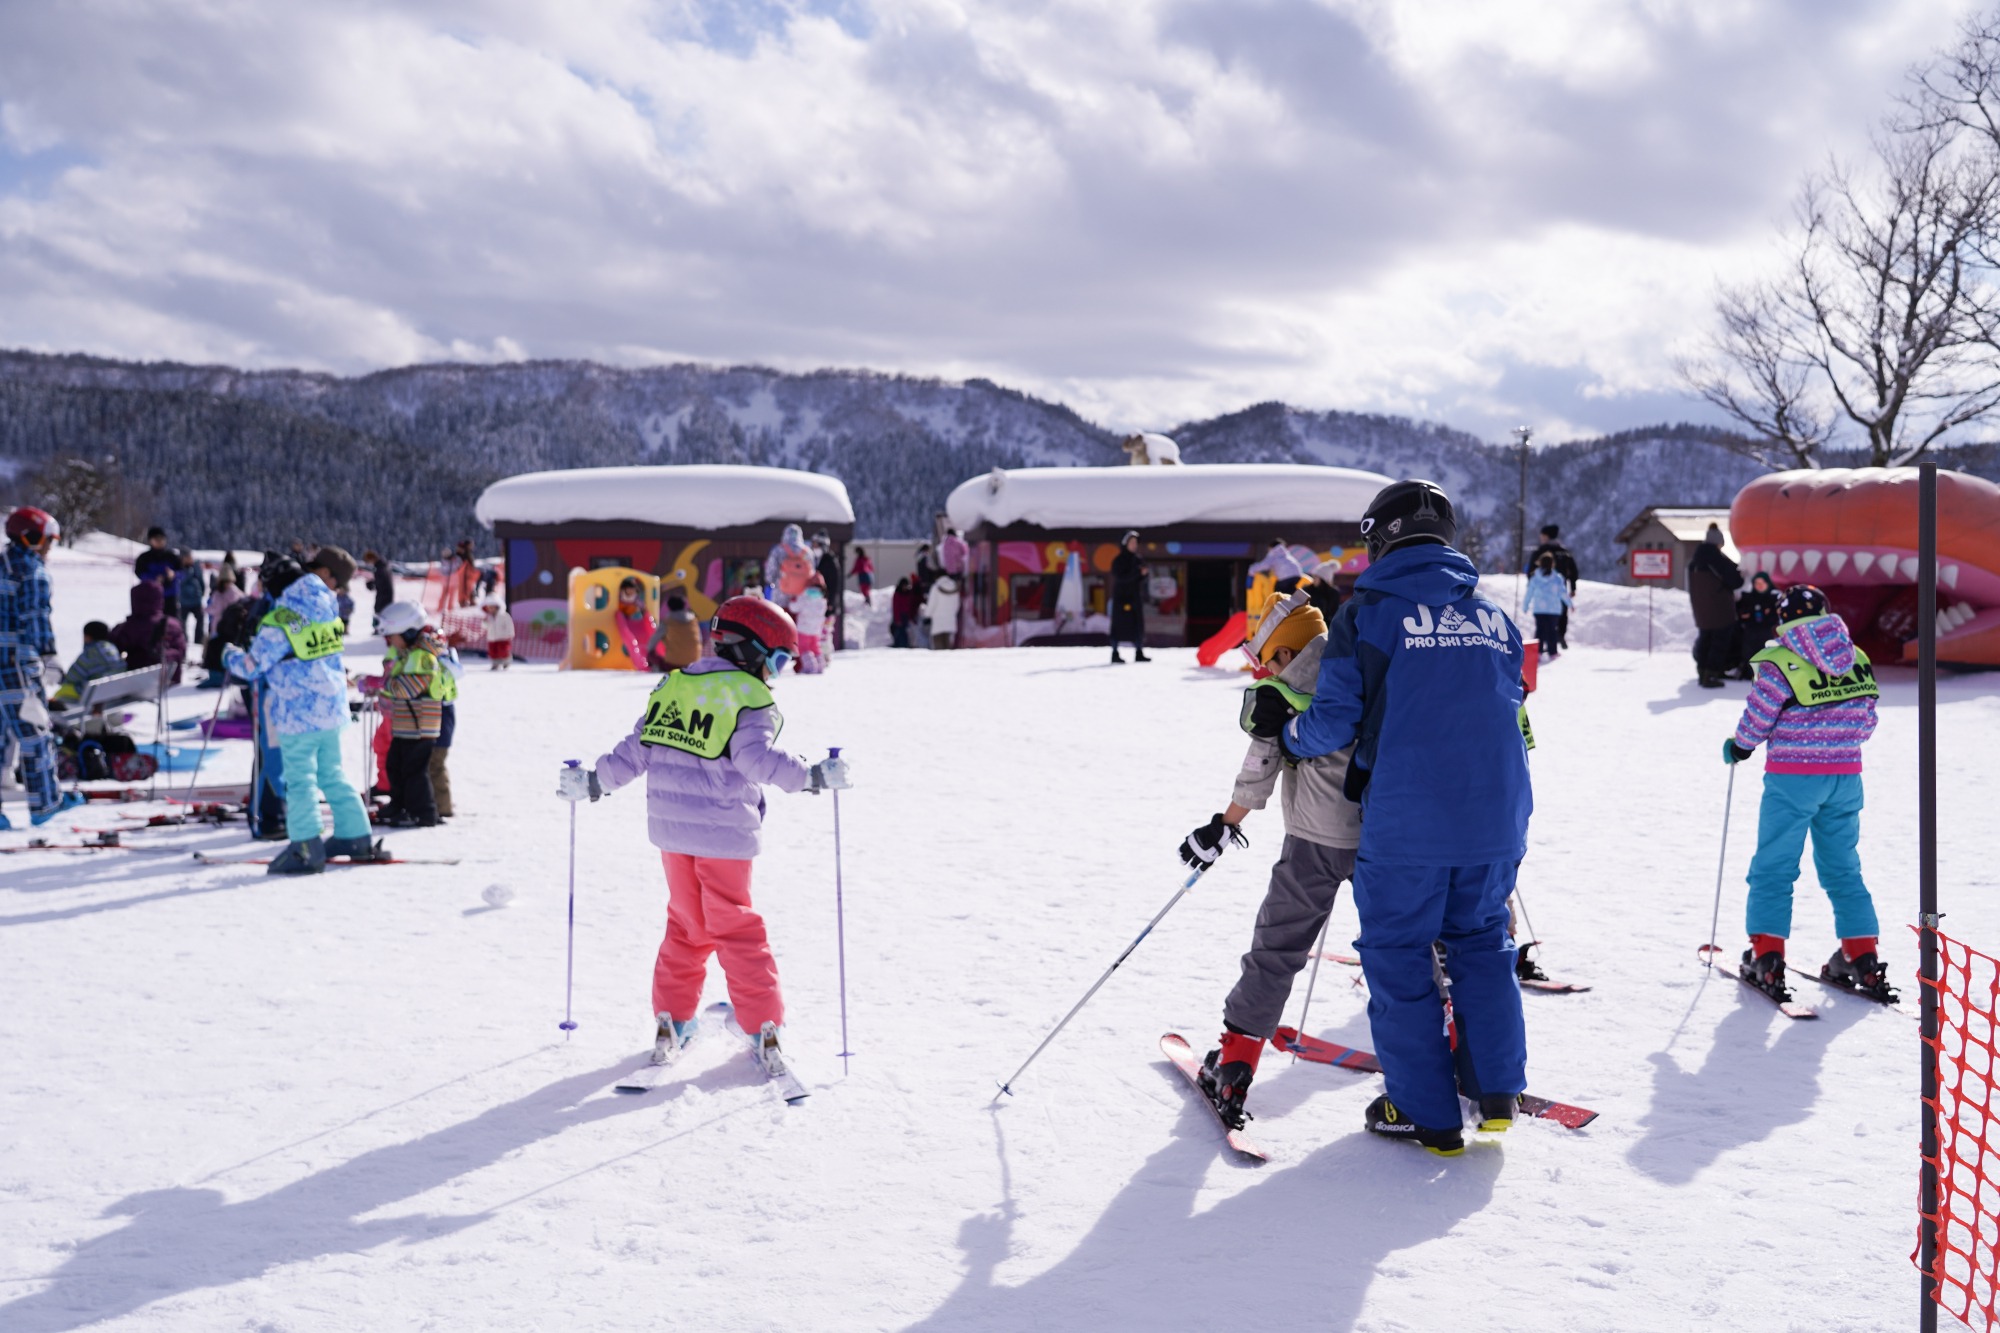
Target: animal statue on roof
(1151,450)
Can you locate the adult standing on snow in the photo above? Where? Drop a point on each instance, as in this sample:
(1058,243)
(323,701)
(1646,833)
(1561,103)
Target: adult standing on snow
(833,580)
(1322,829)
(296,655)
(941,609)
(382,579)
(1713,579)
(27,645)
(1128,600)
(156,562)
(1422,676)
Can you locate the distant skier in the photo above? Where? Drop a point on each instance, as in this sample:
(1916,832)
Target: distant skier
(27,649)
(296,655)
(1814,703)
(705,744)
(1547,600)
(1565,562)
(1421,675)
(1322,829)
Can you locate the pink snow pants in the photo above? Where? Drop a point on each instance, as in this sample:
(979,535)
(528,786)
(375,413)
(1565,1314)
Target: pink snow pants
(709,912)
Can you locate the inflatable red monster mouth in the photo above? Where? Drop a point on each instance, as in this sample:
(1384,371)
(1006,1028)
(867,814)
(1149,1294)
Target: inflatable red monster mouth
(1853,533)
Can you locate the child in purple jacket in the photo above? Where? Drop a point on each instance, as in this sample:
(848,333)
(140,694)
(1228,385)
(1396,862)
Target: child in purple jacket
(1812,706)
(706,745)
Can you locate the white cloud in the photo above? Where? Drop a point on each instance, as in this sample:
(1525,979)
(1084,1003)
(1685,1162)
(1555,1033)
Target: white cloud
(1469,209)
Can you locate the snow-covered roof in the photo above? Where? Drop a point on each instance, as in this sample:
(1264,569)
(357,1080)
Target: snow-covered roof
(1141,497)
(706,496)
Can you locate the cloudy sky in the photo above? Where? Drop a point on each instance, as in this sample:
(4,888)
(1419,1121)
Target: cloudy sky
(1475,211)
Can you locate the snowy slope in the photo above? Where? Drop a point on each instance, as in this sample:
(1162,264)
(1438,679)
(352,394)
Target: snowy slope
(238,1103)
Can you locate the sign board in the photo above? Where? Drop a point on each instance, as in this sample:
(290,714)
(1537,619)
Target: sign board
(1652,565)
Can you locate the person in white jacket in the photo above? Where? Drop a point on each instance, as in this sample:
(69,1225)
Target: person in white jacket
(941,609)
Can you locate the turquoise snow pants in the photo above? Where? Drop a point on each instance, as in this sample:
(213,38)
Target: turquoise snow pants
(1829,807)
(312,767)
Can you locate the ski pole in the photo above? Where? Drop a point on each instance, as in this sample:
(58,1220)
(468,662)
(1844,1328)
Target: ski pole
(568,1025)
(840,920)
(1529,924)
(194,775)
(1313,978)
(1715,918)
(1008,1086)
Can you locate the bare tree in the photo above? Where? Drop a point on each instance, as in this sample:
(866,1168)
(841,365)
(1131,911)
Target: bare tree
(1885,318)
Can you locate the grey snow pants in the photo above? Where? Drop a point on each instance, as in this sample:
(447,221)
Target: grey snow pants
(1304,883)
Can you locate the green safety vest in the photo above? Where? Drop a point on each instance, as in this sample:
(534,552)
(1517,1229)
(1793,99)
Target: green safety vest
(1527,732)
(1298,699)
(1812,686)
(698,714)
(422,662)
(309,639)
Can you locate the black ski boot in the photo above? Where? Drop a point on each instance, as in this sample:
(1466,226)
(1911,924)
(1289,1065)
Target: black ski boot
(1497,1112)
(1864,976)
(1116,660)
(1383,1118)
(1766,971)
(1226,1073)
(300,858)
(362,848)
(1525,966)
(1139,655)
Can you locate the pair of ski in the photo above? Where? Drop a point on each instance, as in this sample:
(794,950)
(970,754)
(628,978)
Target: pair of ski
(784,1080)
(1176,1049)
(1790,1007)
(1543,984)
(333,862)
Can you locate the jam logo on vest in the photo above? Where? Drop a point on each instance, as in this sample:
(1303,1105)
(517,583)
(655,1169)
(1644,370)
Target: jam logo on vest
(694,722)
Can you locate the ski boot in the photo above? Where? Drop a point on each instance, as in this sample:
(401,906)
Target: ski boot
(1226,1073)
(1139,655)
(1525,966)
(1764,966)
(768,1053)
(1497,1112)
(1856,967)
(300,858)
(70,801)
(671,1038)
(1383,1118)
(1116,660)
(358,848)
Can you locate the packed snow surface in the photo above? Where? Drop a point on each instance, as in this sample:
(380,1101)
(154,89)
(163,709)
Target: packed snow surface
(1140,497)
(703,496)
(238,1102)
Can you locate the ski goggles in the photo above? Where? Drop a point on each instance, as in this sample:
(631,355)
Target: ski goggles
(778,661)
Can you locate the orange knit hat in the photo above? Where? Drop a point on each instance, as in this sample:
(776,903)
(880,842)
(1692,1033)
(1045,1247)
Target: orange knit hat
(1292,621)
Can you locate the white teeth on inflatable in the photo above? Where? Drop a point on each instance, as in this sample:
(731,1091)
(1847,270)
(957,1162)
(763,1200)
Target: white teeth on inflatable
(1909,567)
(1950,576)
(1811,560)
(1863,560)
(1835,562)
(1786,559)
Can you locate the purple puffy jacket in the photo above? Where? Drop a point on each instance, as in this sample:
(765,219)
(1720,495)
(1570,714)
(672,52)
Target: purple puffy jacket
(707,807)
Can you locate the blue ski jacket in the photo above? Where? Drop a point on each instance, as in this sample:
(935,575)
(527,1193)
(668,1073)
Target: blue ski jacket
(305,696)
(1422,675)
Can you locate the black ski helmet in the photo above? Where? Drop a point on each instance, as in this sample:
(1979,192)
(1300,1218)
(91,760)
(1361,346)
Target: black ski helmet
(1799,602)
(1407,512)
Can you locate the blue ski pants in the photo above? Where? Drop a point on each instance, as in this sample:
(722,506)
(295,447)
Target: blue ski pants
(21,676)
(312,769)
(1829,807)
(1403,909)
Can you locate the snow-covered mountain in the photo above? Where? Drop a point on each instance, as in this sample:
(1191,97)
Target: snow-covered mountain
(396,458)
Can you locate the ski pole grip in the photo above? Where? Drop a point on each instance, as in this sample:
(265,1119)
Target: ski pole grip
(572,763)
(833,752)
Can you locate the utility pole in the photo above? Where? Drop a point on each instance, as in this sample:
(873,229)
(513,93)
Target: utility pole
(1523,434)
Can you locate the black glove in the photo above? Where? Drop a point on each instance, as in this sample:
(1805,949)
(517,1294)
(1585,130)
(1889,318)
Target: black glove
(1732,753)
(1205,844)
(1285,750)
(1269,713)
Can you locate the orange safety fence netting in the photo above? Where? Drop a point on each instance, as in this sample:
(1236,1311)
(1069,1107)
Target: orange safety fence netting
(1968,1157)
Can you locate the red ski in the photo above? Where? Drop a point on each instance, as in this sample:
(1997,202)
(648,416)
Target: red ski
(1364,1062)
(1175,1048)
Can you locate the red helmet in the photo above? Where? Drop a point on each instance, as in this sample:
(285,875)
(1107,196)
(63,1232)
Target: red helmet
(31,526)
(749,629)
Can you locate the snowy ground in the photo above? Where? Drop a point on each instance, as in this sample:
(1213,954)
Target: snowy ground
(232,1102)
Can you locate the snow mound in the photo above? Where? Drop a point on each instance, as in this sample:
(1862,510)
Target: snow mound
(708,496)
(1101,497)
(1607,615)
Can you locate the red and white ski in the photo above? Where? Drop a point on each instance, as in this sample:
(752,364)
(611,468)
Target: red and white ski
(1324,1052)
(1174,1046)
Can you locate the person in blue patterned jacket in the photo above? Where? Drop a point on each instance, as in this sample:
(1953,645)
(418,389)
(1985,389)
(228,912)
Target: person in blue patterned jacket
(27,641)
(296,655)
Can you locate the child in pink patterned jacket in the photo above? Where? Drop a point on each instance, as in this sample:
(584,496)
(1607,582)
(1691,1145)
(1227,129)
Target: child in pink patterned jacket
(706,745)
(1812,707)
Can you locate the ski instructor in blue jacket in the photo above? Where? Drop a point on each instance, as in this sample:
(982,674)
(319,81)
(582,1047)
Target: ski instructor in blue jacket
(1422,676)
